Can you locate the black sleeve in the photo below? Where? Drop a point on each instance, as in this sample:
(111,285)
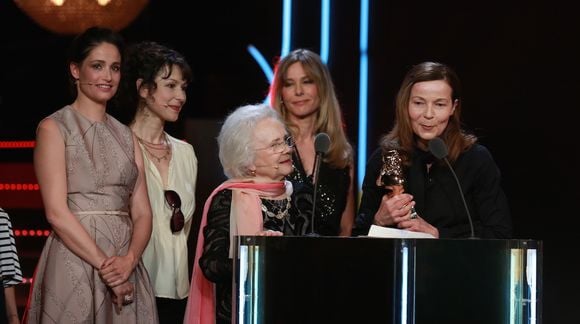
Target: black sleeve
(371,195)
(490,200)
(214,261)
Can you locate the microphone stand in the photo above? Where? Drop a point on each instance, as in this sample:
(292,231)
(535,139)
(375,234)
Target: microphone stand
(318,157)
(438,148)
(462,198)
(321,145)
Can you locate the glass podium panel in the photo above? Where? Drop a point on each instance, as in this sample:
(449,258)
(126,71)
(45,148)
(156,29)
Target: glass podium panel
(378,280)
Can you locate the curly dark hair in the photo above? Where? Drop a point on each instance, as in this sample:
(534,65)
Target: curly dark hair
(144,61)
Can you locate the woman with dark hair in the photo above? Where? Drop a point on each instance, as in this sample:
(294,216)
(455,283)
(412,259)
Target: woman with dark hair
(155,80)
(428,106)
(90,170)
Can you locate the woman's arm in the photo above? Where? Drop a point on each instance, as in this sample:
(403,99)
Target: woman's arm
(50,168)
(347,218)
(214,261)
(11,308)
(491,201)
(117,269)
(372,195)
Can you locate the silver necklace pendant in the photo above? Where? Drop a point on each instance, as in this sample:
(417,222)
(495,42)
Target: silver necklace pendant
(281,213)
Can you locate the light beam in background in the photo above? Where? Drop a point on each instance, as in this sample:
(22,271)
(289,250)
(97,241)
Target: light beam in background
(363,92)
(286,27)
(324,30)
(261,62)
(286,34)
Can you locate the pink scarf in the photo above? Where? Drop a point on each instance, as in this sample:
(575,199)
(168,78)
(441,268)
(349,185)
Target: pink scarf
(245,219)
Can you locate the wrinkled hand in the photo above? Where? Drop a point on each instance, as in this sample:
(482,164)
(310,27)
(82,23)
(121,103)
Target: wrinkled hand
(119,292)
(392,209)
(116,270)
(269,233)
(417,224)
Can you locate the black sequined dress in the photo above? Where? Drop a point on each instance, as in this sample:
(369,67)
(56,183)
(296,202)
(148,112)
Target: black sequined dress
(332,192)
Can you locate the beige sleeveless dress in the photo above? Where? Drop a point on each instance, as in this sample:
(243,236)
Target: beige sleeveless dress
(101,175)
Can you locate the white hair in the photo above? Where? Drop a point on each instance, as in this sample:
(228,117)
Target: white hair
(236,151)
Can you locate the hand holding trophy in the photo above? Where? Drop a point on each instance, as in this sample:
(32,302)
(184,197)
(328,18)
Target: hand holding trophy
(391,176)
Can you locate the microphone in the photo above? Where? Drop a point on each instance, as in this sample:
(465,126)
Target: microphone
(321,146)
(438,148)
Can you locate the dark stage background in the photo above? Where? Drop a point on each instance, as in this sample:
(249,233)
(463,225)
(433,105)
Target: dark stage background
(518,63)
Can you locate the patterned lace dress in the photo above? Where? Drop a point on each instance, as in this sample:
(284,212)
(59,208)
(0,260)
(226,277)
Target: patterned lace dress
(101,175)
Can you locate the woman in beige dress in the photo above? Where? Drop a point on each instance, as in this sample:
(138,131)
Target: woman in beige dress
(90,171)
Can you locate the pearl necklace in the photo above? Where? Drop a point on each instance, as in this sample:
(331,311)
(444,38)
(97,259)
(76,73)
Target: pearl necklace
(281,213)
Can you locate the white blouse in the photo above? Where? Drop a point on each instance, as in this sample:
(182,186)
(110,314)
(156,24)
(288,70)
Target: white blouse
(165,256)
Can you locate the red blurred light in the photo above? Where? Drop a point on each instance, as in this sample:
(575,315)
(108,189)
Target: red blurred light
(16,144)
(19,186)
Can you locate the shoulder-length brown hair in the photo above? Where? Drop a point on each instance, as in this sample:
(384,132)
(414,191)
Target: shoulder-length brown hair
(402,135)
(329,116)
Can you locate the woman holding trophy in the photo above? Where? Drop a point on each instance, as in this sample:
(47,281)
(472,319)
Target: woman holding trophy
(453,192)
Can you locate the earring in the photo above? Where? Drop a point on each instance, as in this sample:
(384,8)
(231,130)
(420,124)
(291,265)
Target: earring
(253,173)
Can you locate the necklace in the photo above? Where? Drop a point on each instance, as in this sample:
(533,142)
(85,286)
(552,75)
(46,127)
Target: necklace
(165,147)
(281,212)
(157,146)
(158,158)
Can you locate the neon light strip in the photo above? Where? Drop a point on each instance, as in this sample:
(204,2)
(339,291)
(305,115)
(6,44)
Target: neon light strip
(324,30)
(256,287)
(31,232)
(532,278)
(19,187)
(242,284)
(514,286)
(404,283)
(261,62)
(363,92)
(16,144)
(286,27)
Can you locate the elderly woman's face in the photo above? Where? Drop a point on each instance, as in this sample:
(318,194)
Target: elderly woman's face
(273,159)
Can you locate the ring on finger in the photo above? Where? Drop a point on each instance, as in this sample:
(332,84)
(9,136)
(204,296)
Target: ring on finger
(128,299)
(414,214)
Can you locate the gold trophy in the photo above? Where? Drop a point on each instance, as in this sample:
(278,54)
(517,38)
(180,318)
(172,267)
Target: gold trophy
(391,176)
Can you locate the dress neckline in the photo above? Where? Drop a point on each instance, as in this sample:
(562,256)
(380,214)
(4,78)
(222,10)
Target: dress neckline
(87,118)
(300,166)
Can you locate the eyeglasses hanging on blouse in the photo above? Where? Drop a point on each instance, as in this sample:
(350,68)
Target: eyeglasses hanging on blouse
(177,218)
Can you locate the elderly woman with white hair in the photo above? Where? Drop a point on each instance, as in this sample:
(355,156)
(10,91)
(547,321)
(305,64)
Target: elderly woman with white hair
(255,151)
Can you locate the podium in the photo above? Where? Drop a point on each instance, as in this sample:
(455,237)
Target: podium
(378,280)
